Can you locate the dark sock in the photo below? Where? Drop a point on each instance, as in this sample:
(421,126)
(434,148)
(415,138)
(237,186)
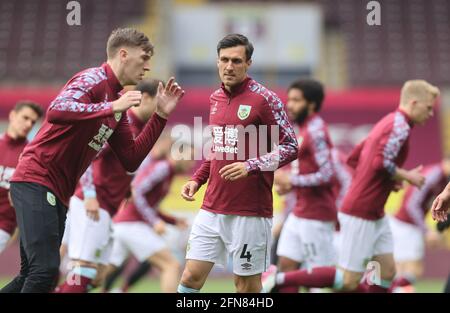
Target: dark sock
(111,278)
(137,274)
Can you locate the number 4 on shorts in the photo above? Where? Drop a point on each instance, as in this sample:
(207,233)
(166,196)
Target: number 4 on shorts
(245,254)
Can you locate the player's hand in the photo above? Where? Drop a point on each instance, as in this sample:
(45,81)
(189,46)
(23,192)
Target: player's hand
(168,97)
(92,208)
(128,99)
(441,205)
(282,182)
(188,190)
(159,227)
(234,171)
(415,177)
(181,223)
(433,239)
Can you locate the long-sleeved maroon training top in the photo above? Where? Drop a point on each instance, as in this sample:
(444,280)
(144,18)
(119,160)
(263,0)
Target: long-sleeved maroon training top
(242,123)
(78,123)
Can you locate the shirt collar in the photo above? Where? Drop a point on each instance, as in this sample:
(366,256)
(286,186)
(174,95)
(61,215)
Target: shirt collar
(238,88)
(408,119)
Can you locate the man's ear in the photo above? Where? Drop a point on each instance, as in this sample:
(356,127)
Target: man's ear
(249,62)
(123,53)
(12,115)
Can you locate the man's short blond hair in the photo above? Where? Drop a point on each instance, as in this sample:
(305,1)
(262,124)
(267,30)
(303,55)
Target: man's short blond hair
(127,37)
(417,89)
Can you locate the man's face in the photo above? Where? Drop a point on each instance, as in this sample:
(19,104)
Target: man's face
(135,63)
(22,122)
(297,106)
(233,65)
(422,109)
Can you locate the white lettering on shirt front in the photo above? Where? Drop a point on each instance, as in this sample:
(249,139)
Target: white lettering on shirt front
(99,140)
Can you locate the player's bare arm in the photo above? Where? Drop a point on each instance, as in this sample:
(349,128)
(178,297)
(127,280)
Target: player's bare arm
(188,190)
(414,176)
(282,182)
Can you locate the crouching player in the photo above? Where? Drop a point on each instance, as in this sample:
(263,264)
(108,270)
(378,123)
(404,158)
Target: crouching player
(139,224)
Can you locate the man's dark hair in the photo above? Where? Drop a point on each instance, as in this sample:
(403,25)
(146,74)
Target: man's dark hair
(127,37)
(29,104)
(234,40)
(149,86)
(312,91)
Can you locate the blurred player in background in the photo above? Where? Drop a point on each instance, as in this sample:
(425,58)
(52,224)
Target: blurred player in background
(85,115)
(409,231)
(236,215)
(21,120)
(341,183)
(365,232)
(139,224)
(102,188)
(307,235)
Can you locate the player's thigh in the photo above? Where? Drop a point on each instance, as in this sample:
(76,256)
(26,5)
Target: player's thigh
(91,240)
(119,251)
(290,245)
(357,243)
(251,239)
(317,242)
(164,260)
(205,240)
(384,248)
(4,238)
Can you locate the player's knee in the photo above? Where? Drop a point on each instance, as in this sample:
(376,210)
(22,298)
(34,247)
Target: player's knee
(171,265)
